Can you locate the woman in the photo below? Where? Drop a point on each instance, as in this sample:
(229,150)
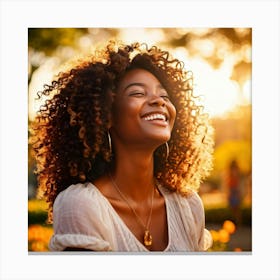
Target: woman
(122,146)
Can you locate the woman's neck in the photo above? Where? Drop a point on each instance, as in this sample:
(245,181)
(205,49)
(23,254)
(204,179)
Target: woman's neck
(134,174)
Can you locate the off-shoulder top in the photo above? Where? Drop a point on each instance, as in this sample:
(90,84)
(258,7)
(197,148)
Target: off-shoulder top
(84,218)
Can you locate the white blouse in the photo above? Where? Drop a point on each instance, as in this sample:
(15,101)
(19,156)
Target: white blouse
(84,218)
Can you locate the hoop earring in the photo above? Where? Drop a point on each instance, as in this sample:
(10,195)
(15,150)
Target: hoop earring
(167,151)
(110,143)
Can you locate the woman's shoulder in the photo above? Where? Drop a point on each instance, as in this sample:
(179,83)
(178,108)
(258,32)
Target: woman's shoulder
(81,194)
(80,203)
(189,199)
(189,195)
(192,196)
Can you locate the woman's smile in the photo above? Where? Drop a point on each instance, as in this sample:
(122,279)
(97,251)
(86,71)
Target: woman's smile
(156,118)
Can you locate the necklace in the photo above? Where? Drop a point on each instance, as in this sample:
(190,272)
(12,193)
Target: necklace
(147,239)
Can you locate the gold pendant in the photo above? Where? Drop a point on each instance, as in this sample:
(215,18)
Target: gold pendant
(148,240)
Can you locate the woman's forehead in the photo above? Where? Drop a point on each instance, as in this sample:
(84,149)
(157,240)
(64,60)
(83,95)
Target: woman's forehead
(139,77)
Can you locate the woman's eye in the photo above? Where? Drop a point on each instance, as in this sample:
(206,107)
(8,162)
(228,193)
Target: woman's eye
(137,93)
(165,97)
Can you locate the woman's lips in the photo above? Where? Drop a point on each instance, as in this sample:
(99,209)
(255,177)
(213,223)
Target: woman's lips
(156,118)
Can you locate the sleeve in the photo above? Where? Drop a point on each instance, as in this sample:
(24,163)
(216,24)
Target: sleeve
(78,221)
(204,236)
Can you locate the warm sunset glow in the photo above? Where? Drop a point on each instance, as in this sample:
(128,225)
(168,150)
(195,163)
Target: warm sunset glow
(219,61)
(219,92)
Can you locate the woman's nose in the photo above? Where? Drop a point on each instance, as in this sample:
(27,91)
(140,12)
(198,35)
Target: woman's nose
(156,100)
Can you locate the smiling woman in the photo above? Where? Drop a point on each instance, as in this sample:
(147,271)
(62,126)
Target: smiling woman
(121,149)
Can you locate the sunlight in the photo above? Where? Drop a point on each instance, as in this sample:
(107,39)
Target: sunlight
(148,35)
(43,75)
(247,87)
(219,93)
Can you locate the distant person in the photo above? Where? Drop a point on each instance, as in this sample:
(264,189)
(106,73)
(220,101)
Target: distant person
(234,191)
(121,147)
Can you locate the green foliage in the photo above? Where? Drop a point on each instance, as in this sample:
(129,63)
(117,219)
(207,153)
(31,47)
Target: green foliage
(220,41)
(220,214)
(48,39)
(37,212)
(39,217)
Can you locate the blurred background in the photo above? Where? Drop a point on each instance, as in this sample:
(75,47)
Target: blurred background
(220,59)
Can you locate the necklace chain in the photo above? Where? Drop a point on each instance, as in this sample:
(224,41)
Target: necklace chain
(147,235)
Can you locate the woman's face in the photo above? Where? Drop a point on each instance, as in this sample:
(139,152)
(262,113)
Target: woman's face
(142,111)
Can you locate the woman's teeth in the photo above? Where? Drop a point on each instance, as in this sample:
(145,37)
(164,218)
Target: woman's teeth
(155,117)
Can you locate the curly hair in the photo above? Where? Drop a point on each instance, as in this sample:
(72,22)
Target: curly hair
(69,133)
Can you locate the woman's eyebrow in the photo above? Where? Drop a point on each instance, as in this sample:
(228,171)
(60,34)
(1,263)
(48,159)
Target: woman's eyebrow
(134,84)
(142,85)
